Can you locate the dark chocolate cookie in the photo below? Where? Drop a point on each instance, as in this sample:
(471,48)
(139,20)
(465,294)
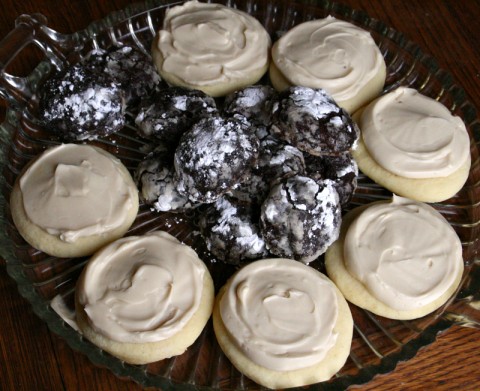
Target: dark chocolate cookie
(341,169)
(277,160)
(231,232)
(214,156)
(130,67)
(156,183)
(81,104)
(300,218)
(310,120)
(171,112)
(254,103)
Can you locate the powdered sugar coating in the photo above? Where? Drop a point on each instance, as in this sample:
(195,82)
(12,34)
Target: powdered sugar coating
(254,190)
(80,104)
(231,231)
(171,112)
(277,160)
(341,169)
(214,156)
(301,218)
(130,67)
(311,120)
(253,102)
(156,183)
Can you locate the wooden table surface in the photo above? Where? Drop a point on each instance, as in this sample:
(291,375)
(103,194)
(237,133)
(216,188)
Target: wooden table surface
(32,358)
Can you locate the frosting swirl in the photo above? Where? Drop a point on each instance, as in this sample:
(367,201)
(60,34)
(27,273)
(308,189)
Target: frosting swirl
(205,43)
(404,252)
(74,191)
(281,313)
(414,136)
(330,54)
(142,288)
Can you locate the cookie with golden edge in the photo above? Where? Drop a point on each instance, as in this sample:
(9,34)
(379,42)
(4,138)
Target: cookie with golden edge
(319,371)
(142,345)
(357,293)
(427,189)
(421,189)
(49,238)
(211,47)
(331,54)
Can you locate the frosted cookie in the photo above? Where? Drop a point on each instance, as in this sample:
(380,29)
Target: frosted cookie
(413,146)
(211,47)
(171,112)
(213,157)
(130,67)
(82,103)
(300,218)
(331,54)
(341,169)
(398,259)
(144,298)
(72,200)
(310,120)
(283,324)
(231,231)
(155,179)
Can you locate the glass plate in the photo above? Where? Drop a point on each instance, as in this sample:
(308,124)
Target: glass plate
(378,343)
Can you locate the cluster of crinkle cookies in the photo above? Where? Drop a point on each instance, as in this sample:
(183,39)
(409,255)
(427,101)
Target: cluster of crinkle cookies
(248,170)
(267,171)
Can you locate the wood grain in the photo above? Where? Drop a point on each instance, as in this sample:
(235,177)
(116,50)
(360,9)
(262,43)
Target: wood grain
(32,358)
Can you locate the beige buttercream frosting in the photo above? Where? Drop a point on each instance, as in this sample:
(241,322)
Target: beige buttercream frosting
(142,288)
(281,313)
(74,190)
(206,43)
(413,135)
(331,54)
(404,252)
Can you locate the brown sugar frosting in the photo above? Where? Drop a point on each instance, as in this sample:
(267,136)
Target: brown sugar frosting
(211,47)
(72,199)
(283,324)
(333,55)
(144,298)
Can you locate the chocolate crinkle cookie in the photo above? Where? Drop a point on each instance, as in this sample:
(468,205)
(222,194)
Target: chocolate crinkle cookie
(277,160)
(341,169)
(254,103)
(156,183)
(231,232)
(130,67)
(82,104)
(214,156)
(310,120)
(171,112)
(300,218)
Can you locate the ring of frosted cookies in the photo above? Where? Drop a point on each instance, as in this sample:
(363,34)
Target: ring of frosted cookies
(268,171)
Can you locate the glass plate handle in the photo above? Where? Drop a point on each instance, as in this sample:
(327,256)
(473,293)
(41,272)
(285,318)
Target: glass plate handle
(465,310)
(30,29)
